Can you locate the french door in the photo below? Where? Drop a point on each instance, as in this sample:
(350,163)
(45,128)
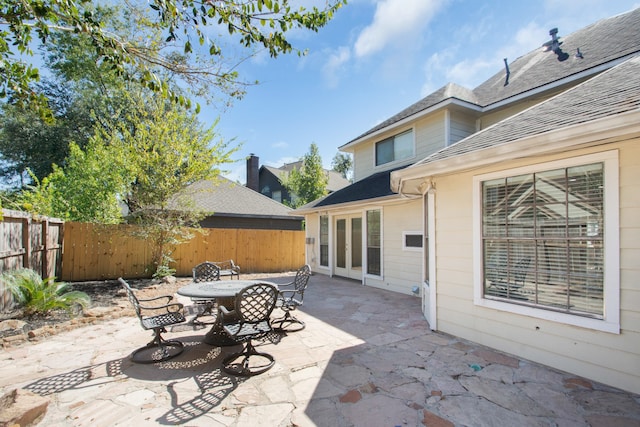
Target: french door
(348,246)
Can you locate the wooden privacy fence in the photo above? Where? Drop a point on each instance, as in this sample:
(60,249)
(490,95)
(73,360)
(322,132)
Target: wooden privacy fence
(28,241)
(101,252)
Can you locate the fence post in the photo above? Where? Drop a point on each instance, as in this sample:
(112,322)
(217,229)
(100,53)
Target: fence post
(45,249)
(26,241)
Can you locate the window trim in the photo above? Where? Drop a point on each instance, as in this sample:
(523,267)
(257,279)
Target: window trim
(328,244)
(412,248)
(611,320)
(365,260)
(413,148)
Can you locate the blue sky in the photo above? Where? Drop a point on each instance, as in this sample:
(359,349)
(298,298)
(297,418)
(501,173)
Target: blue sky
(377,57)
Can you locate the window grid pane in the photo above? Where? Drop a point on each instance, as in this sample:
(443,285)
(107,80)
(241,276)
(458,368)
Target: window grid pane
(374,260)
(384,152)
(543,241)
(324,240)
(398,147)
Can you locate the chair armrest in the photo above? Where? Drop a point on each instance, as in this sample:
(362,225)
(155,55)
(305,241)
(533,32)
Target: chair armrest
(170,308)
(234,266)
(223,311)
(167,297)
(284,293)
(285,285)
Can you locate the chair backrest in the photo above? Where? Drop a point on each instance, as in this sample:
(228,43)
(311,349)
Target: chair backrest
(206,272)
(302,278)
(254,303)
(132,297)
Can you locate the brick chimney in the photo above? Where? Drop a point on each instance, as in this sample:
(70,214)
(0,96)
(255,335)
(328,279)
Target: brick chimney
(252,172)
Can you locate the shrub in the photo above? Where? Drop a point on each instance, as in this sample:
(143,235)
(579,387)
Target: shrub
(39,296)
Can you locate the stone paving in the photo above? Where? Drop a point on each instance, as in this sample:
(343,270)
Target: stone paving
(366,358)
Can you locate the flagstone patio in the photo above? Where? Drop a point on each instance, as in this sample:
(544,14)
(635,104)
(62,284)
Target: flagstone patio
(365,358)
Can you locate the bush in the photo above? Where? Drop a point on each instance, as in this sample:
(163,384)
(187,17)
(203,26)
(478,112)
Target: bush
(39,296)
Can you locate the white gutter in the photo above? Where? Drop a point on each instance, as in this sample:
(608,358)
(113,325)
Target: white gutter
(355,203)
(442,104)
(558,83)
(600,131)
(499,104)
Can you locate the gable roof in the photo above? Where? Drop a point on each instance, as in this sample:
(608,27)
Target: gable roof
(335,182)
(451,92)
(602,45)
(225,197)
(615,92)
(375,186)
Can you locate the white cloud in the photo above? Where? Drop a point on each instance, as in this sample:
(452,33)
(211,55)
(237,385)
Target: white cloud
(281,161)
(335,65)
(472,71)
(435,67)
(280,144)
(467,73)
(394,21)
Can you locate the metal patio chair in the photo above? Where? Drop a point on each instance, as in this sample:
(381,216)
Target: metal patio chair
(205,272)
(247,322)
(290,299)
(157,319)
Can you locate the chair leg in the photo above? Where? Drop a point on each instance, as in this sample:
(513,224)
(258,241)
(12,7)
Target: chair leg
(244,367)
(282,323)
(158,349)
(207,310)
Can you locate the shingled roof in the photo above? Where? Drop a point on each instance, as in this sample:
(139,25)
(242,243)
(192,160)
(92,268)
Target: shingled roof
(225,197)
(372,187)
(335,182)
(613,92)
(601,45)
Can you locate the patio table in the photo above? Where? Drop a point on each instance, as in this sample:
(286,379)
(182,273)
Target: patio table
(224,292)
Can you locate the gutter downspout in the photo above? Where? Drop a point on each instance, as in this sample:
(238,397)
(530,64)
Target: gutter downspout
(431,229)
(427,191)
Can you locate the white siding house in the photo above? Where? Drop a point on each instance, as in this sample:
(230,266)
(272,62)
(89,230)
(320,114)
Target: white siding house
(513,209)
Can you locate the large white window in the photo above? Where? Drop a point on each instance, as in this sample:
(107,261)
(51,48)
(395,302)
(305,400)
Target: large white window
(543,241)
(398,147)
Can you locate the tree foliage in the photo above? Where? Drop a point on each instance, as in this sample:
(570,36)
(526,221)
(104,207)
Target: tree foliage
(144,162)
(85,190)
(168,150)
(343,164)
(310,181)
(27,142)
(185,26)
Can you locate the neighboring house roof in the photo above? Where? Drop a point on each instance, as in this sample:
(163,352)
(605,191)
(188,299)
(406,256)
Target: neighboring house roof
(225,197)
(336,181)
(612,93)
(372,187)
(601,45)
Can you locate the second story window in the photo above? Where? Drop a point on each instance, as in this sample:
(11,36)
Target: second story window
(398,147)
